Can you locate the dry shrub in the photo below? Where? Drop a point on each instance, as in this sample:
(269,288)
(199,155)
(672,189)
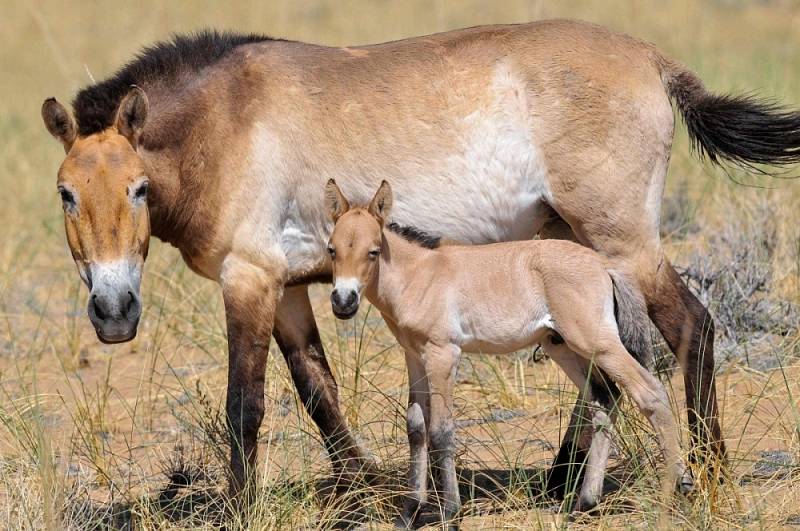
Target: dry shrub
(733,277)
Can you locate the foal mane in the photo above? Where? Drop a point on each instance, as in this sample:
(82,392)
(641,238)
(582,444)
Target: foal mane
(95,106)
(415,235)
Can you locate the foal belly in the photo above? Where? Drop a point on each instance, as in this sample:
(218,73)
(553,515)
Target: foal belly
(503,344)
(500,335)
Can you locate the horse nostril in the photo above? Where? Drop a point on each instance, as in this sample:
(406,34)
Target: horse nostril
(130,304)
(98,309)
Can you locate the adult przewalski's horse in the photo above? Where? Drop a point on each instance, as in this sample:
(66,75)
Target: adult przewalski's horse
(221,145)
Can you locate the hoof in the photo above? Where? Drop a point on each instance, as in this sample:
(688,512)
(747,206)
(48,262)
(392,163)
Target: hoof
(409,517)
(584,505)
(686,483)
(357,473)
(404,522)
(566,473)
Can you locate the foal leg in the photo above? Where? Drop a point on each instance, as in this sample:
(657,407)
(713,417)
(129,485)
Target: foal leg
(298,338)
(596,407)
(417,440)
(604,398)
(651,398)
(566,471)
(251,293)
(440,365)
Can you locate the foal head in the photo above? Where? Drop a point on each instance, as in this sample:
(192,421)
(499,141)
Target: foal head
(103,187)
(355,245)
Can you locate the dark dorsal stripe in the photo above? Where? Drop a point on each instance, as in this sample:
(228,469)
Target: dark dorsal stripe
(96,105)
(415,235)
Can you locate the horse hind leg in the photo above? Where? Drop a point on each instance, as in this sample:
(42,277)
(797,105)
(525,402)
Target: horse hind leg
(688,329)
(620,221)
(603,400)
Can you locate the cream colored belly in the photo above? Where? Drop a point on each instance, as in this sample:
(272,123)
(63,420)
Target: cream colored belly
(499,333)
(487,183)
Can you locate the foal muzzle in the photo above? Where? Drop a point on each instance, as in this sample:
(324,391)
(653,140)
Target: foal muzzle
(344,302)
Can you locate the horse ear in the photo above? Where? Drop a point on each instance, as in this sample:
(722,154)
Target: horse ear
(59,122)
(335,200)
(381,204)
(132,114)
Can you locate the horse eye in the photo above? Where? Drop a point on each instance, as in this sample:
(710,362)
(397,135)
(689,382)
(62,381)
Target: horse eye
(141,192)
(332,251)
(373,254)
(66,197)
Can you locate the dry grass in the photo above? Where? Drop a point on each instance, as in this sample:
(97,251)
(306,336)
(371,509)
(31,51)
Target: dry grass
(130,435)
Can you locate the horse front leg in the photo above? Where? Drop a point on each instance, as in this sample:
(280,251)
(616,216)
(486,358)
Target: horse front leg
(298,338)
(251,293)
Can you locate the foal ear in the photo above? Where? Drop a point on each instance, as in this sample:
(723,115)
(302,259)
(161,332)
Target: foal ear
(132,114)
(381,204)
(59,122)
(335,200)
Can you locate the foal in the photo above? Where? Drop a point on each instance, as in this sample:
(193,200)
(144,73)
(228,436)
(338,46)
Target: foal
(495,298)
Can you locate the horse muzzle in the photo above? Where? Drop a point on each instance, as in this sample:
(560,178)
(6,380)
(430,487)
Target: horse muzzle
(114,306)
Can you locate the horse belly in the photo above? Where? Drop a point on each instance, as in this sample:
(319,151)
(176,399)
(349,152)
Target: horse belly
(490,183)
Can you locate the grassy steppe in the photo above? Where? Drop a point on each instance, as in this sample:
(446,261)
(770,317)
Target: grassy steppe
(98,435)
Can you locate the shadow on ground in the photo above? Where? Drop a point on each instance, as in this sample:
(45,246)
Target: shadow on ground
(185,502)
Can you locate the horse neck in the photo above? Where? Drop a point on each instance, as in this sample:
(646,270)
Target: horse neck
(169,149)
(163,195)
(397,263)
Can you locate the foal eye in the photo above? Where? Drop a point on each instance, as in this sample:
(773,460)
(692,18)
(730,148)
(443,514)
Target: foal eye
(373,254)
(332,251)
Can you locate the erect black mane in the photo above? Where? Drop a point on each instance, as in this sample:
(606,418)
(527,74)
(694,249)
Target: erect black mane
(415,235)
(96,105)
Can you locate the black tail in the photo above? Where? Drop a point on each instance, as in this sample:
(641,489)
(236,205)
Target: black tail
(744,130)
(630,310)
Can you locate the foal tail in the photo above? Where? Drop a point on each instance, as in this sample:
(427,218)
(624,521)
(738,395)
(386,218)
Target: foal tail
(744,130)
(633,323)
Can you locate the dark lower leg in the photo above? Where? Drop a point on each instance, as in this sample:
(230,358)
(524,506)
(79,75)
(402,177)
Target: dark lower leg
(248,346)
(688,329)
(298,338)
(567,470)
(245,411)
(318,392)
(442,455)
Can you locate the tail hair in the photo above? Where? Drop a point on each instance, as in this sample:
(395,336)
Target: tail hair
(630,310)
(743,130)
